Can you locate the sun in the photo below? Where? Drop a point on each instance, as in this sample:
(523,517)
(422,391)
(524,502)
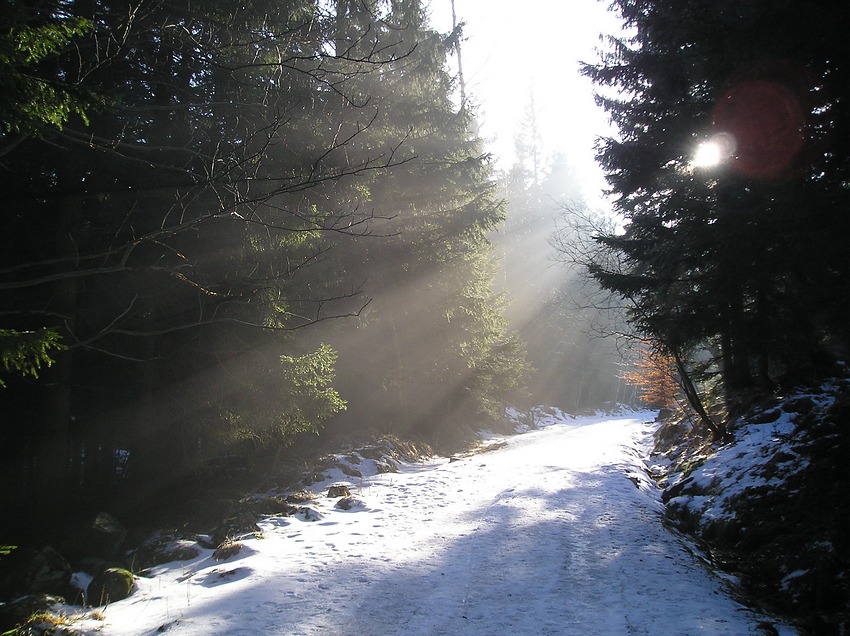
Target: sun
(707,155)
(714,151)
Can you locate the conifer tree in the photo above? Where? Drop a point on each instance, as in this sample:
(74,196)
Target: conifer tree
(433,355)
(252,169)
(163,244)
(742,256)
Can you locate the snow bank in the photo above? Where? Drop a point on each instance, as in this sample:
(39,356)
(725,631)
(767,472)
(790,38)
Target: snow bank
(769,505)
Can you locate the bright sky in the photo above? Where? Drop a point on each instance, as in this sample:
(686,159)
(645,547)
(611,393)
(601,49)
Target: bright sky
(512,50)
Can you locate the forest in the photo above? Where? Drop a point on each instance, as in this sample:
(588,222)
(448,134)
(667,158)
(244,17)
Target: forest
(235,231)
(226,229)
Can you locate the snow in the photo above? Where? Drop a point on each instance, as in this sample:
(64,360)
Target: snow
(762,457)
(554,531)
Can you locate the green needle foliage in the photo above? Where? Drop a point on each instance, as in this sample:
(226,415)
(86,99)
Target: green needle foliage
(35,95)
(24,353)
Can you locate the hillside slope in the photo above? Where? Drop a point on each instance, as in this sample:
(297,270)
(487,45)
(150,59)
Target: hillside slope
(773,505)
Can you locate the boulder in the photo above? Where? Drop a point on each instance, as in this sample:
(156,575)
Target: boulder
(102,537)
(301,497)
(309,514)
(162,548)
(241,524)
(349,503)
(349,470)
(272,505)
(113,584)
(227,550)
(765,417)
(27,571)
(338,490)
(802,404)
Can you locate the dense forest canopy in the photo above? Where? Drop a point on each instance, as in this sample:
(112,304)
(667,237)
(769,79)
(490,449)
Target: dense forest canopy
(731,170)
(190,190)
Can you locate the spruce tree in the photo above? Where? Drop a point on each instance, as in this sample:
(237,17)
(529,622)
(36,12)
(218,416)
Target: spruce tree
(740,257)
(431,355)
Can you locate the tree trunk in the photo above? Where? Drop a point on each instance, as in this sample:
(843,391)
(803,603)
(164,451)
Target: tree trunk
(50,451)
(693,397)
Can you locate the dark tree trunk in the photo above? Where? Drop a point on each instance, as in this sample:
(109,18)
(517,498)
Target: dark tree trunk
(694,399)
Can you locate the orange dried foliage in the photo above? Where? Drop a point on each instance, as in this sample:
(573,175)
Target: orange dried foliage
(655,375)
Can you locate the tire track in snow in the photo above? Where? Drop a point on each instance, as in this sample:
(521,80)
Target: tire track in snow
(567,544)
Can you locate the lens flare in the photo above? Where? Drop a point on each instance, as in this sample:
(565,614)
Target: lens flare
(768,123)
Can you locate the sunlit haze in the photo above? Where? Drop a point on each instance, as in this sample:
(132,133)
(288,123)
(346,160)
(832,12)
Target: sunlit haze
(510,54)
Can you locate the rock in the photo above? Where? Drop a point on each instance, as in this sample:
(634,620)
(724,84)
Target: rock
(182,551)
(308,514)
(765,417)
(113,584)
(349,470)
(669,433)
(226,550)
(239,525)
(300,497)
(372,452)
(802,404)
(347,503)
(680,488)
(17,612)
(161,549)
(664,413)
(49,573)
(339,490)
(27,571)
(273,505)
(103,537)
(93,565)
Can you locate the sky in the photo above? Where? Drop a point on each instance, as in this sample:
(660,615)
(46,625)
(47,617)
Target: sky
(557,530)
(513,50)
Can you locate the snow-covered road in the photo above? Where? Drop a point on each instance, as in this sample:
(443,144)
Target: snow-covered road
(557,531)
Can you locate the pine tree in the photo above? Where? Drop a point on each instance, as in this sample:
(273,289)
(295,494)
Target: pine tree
(169,241)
